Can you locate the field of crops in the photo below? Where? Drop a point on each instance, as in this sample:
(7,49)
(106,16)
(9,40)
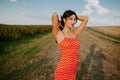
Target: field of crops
(15,32)
(110,31)
(11,36)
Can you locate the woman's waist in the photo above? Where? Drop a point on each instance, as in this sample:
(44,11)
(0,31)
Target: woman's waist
(68,62)
(71,58)
(69,50)
(69,54)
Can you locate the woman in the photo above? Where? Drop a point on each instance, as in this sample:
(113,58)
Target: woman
(68,43)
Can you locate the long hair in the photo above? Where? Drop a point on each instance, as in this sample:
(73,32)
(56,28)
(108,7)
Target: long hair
(66,14)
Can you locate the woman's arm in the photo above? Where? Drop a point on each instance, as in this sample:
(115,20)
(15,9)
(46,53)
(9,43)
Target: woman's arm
(55,24)
(84,20)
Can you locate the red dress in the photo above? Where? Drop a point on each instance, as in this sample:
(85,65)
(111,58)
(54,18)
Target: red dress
(67,66)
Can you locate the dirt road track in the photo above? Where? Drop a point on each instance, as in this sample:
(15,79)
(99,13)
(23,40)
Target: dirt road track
(98,60)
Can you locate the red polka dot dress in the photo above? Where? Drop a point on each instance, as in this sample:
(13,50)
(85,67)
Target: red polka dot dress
(67,66)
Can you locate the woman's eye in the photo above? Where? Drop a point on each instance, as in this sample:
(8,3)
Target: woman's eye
(71,19)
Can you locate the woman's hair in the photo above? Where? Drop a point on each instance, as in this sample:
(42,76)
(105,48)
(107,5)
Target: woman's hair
(66,14)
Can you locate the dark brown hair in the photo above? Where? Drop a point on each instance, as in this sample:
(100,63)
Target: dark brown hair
(66,14)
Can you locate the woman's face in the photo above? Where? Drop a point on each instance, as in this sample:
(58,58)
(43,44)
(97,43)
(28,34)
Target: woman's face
(70,21)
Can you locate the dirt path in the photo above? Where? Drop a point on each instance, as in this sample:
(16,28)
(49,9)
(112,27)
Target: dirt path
(98,60)
(114,38)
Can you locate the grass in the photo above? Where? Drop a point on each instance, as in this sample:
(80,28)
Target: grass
(19,73)
(21,54)
(8,47)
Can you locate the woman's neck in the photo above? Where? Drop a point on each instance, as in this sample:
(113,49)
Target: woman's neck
(66,29)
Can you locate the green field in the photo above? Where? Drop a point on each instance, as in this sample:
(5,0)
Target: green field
(13,35)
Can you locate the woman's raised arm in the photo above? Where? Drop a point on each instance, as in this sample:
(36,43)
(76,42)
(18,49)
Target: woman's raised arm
(55,24)
(80,28)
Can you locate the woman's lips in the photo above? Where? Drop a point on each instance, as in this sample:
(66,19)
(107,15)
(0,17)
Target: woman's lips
(72,24)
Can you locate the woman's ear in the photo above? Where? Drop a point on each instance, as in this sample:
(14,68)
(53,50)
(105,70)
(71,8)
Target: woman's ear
(64,20)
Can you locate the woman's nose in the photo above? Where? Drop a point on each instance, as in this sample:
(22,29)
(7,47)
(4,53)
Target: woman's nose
(74,21)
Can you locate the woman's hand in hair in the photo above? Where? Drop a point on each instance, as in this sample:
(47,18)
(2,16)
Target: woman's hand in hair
(80,28)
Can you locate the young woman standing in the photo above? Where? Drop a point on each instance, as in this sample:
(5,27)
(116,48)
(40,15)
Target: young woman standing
(68,43)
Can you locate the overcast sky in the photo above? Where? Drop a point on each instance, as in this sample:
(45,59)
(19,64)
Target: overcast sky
(100,12)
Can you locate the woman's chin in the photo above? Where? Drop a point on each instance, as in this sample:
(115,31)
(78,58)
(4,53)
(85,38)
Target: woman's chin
(71,26)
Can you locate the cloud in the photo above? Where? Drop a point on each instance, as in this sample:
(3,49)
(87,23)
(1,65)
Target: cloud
(103,21)
(94,5)
(98,21)
(13,0)
(115,14)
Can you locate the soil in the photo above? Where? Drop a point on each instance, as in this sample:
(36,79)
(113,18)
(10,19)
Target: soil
(98,60)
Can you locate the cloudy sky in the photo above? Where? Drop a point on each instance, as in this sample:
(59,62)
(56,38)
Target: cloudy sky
(100,12)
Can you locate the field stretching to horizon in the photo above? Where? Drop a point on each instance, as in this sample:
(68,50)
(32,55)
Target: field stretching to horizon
(30,52)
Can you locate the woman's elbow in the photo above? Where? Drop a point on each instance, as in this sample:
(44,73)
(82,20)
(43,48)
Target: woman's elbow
(86,18)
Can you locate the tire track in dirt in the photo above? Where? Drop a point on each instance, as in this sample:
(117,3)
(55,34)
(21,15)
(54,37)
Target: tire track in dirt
(98,60)
(96,33)
(18,74)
